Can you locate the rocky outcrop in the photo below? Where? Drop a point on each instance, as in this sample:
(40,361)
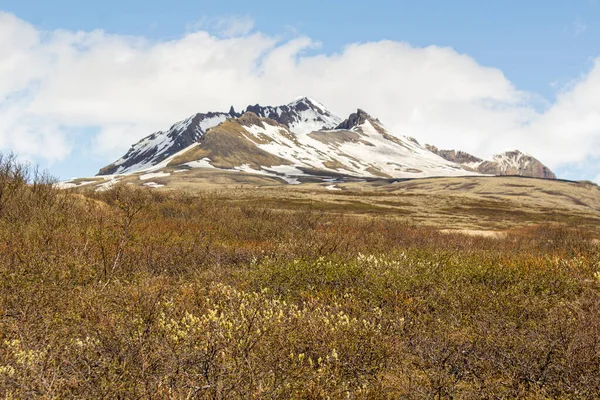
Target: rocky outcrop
(232,113)
(459,157)
(355,119)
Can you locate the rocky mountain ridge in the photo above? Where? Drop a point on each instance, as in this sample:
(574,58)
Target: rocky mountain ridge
(303,138)
(511,162)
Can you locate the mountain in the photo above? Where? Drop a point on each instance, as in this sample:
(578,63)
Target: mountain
(264,146)
(512,162)
(295,142)
(154,149)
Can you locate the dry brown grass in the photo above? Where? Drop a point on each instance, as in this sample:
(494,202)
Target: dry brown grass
(464,203)
(229,145)
(134,293)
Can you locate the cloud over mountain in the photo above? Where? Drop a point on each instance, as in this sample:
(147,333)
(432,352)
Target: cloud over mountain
(53,84)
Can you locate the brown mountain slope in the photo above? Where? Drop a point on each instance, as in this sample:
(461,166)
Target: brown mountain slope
(228,145)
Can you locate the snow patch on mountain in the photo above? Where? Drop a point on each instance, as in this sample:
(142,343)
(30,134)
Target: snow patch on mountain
(366,150)
(512,159)
(287,170)
(203,163)
(151,175)
(248,169)
(69,184)
(153,185)
(110,183)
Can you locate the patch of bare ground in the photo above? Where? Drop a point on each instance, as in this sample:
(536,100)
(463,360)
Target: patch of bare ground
(473,232)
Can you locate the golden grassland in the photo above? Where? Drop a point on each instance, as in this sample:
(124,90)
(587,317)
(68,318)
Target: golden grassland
(138,293)
(451,203)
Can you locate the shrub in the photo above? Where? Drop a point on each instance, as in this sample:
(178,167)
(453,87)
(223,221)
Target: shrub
(131,293)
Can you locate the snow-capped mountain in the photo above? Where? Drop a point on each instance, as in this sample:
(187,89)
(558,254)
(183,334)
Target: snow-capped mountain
(300,139)
(159,146)
(511,162)
(302,116)
(515,162)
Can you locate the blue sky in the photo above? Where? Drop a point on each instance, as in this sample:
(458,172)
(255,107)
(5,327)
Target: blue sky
(542,48)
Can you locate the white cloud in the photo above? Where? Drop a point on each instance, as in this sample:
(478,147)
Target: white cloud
(230,26)
(568,131)
(128,87)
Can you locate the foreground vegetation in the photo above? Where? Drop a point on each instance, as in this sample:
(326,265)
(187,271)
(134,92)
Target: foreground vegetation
(131,293)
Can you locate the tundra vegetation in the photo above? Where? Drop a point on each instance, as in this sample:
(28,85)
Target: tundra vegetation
(134,293)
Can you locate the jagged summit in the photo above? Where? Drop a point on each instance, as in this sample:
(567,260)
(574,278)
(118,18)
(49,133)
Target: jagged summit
(301,116)
(232,113)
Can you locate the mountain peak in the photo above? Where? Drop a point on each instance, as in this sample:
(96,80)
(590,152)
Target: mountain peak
(298,100)
(308,103)
(232,112)
(356,119)
(509,162)
(515,153)
(516,162)
(301,116)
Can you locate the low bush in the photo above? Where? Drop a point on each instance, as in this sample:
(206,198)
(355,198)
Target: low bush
(131,293)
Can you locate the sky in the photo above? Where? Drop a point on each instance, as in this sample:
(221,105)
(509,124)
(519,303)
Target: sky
(81,82)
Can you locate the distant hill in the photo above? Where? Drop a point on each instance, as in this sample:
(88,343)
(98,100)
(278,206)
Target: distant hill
(512,162)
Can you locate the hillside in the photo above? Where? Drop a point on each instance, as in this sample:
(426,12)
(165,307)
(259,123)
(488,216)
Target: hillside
(464,203)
